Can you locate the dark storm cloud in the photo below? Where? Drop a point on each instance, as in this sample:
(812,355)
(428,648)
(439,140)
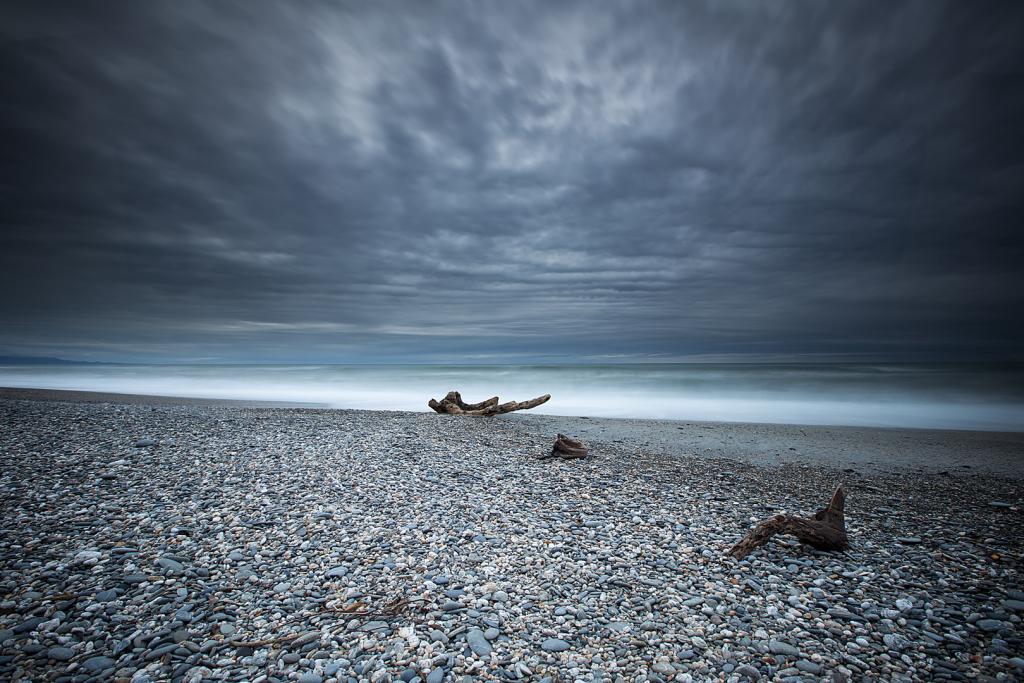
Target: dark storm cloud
(475,181)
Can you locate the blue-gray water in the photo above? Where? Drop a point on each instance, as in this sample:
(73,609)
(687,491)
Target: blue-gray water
(938,396)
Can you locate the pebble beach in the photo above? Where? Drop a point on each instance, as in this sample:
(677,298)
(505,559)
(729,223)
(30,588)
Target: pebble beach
(158,540)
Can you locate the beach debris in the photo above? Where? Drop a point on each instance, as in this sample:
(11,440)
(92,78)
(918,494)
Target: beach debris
(452,404)
(567,449)
(825,531)
(356,610)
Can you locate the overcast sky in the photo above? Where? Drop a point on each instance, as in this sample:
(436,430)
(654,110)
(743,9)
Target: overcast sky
(507,181)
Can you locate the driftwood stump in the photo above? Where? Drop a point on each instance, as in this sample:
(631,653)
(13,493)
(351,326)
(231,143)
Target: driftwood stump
(825,531)
(566,448)
(452,404)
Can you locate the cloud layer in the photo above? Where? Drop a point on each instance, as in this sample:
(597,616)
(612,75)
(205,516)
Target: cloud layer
(507,181)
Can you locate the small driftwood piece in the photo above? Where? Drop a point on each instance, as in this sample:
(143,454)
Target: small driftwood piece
(353,611)
(566,448)
(452,404)
(825,531)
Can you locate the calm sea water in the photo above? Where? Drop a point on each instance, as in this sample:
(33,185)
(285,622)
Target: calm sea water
(944,396)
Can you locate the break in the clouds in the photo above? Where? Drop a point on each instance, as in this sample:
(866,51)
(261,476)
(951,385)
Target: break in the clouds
(511,181)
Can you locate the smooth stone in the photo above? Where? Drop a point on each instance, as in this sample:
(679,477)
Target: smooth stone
(236,556)
(28,625)
(145,442)
(748,672)
(337,572)
(97,664)
(161,651)
(436,676)
(106,596)
(895,641)
(170,565)
(808,666)
(87,557)
(909,540)
(61,654)
(310,677)
(1015,605)
(477,643)
(554,645)
(491,633)
(778,647)
(989,625)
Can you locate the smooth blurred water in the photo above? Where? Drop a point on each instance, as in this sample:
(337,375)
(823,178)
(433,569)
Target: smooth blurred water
(986,397)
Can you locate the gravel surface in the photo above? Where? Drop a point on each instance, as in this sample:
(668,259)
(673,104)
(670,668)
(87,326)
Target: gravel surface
(219,542)
(867,449)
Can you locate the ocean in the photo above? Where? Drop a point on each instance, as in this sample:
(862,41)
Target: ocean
(981,397)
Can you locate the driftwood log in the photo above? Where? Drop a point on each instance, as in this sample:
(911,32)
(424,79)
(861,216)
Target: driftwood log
(569,449)
(452,404)
(825,531)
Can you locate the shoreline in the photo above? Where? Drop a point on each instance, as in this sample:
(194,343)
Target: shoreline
(218,541)
(862,449)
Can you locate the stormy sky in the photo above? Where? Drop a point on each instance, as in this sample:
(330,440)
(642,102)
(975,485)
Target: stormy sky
(511,181)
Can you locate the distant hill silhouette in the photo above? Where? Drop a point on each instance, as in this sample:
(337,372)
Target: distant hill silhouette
(44,360)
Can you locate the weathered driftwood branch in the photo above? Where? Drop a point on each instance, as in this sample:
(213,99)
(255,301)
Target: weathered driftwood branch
(569,449)
(825,531)
(452,404)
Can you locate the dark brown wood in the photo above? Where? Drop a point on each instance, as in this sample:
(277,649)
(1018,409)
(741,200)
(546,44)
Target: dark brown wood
(825,531)
(567,448)
(452,404)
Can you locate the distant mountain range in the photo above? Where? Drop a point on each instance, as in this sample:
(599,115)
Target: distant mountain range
(44,360)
